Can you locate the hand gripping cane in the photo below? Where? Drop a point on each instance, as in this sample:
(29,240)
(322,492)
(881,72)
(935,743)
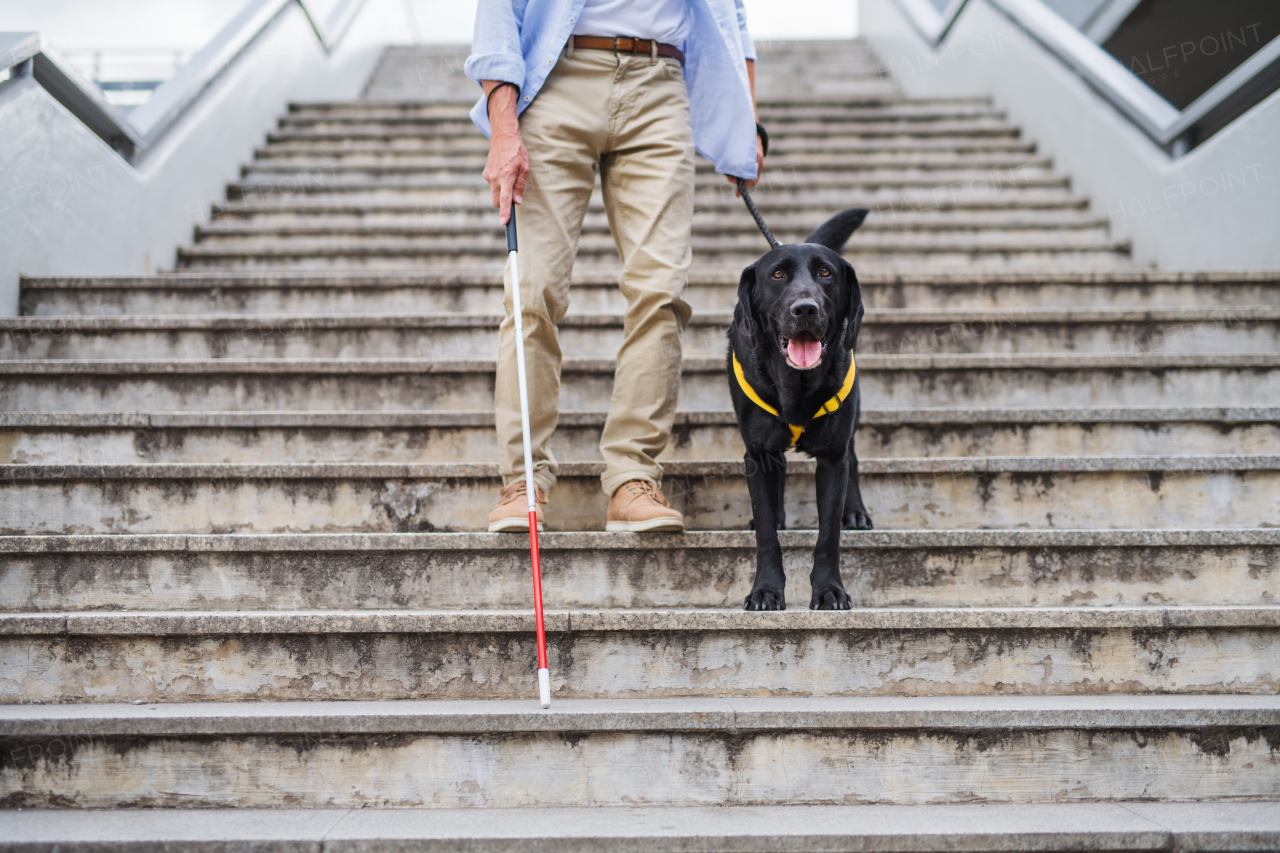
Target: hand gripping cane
(544,674)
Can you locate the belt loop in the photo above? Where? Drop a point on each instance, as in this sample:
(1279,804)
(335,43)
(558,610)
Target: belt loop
(653,51)
(568,48)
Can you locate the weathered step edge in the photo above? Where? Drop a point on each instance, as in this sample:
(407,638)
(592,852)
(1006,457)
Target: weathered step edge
(213,623)
(710,417)
(674,468)
(448,277)
(453,716)
(355,366)
(591,540)
(967,828)
(300,323)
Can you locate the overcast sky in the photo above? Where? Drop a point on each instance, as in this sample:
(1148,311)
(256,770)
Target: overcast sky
(188,24)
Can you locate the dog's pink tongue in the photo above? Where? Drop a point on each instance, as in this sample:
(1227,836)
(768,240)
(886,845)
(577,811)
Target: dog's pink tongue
(804,352)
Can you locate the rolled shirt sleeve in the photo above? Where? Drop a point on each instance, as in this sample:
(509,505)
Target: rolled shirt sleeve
(496,53)
(495,43)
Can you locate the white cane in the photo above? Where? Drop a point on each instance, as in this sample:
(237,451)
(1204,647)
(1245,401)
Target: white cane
(544,674)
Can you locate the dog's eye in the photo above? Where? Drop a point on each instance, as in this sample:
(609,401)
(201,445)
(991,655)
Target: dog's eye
(778,273)
(824,272)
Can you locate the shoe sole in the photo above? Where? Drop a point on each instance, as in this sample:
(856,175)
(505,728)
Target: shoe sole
(514,524)
(653,525)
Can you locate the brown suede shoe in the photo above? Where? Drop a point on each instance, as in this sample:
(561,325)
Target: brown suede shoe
(512,512)
(638,506)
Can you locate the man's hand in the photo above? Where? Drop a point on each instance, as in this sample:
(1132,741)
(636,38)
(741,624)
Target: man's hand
(751,75)
(507,168)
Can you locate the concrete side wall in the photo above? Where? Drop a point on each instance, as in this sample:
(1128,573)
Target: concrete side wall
(1215,208)
(69,205)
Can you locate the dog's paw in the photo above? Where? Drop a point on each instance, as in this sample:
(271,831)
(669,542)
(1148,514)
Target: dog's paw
(830,598)
(765,599)
(856,520)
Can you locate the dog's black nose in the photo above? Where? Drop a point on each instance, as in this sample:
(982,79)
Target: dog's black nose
(804,309)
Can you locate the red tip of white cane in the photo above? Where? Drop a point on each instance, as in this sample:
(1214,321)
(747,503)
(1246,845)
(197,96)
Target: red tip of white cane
(544,687)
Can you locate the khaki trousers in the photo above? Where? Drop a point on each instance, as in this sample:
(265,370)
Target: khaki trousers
(626,116)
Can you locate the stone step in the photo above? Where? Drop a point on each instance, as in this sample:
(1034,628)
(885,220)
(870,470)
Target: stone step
(1106,492)
(478,146)
(432,74)
(787,126)
(360,655)
(330,179)
(597,291)
(360,107)
(926,251)
(865,88)
(829,104)
(458,89)
(709,569)
(977,828)
(822,107)
(911,235)
(478,223)
(417,384)
(279,162)
(636,753)
(787,73)
(812,205)
(597,247)
(884,331)
(423,437)
(837,113)
(400,70)
(829,108)
(1023,252)
(424,84)
(786,69)
(836,53)
(891,128)
(840,85)
(782,112)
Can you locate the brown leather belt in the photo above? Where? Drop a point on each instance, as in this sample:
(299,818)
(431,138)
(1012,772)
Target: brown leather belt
(627,44)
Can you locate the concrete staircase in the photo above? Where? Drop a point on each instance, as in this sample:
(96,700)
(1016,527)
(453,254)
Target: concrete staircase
(241,502)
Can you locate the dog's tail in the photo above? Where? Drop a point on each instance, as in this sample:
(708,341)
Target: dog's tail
(834,233)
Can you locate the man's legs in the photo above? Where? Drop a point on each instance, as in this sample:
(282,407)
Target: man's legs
(563,130)
(647,180)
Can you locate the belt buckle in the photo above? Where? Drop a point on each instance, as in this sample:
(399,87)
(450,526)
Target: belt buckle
(635,44)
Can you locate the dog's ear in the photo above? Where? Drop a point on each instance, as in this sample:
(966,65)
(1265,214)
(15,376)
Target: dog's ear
(853,315)
(744,313)
(834,233)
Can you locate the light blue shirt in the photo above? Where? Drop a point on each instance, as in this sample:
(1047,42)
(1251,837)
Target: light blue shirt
(520,40)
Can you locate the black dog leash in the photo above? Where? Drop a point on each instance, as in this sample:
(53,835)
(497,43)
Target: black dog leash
(755,214)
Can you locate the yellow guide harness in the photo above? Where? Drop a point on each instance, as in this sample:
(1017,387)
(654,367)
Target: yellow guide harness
(827,407)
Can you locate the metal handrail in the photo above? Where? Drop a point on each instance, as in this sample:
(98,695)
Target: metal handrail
(30,54)
(1174,130)
(134,56)
(931,24)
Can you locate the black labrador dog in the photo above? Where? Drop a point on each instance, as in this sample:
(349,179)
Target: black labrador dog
(794,384)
